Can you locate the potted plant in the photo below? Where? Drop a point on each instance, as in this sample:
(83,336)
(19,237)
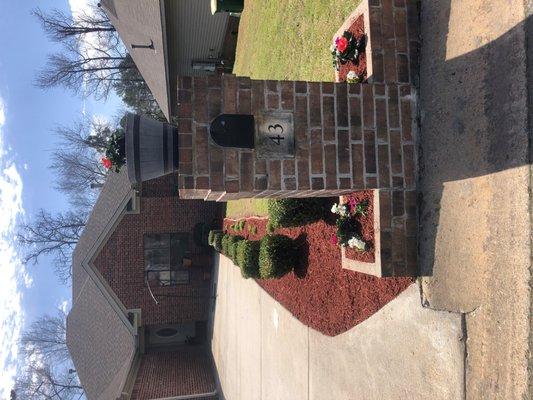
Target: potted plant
(115,152)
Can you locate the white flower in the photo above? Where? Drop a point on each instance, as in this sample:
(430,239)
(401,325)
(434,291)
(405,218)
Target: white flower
(356,243)
(334,209)
(342,210)
(333,48)
(351,75)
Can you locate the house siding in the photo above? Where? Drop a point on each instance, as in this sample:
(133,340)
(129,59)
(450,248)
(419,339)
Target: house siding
(121,260)
(184,372)
(193,33)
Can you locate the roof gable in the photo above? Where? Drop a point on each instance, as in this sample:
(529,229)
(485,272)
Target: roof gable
(100,338)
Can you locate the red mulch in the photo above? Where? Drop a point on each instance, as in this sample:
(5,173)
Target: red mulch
(320,293)
(367,227)
(357,29)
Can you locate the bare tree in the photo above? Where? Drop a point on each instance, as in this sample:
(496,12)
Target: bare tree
(90,69)
(55,235)
(59,25)
(41,381)
(77,160)
(92,55)
(47,338)
(48,371)
(85,133)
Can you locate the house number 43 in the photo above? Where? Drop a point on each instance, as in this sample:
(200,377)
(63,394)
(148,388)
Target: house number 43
(274,135)
(277,130)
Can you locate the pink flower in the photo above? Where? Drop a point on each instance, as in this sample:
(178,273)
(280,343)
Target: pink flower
(353,204)
(334,239)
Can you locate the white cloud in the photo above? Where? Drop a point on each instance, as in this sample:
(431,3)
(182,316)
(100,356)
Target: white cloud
(13,276)
(64,306)
(79,6)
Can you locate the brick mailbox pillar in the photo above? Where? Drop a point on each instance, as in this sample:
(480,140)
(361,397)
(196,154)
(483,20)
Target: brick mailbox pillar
(347,137)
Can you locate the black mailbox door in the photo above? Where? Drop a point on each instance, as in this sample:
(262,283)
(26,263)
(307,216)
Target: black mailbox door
(233,130)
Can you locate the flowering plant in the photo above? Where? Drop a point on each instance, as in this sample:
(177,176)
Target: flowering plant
(346,48)
(351,208)
(352,77)
(115,152)
(348,227)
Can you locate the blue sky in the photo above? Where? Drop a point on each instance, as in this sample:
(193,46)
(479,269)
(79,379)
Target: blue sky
(28,116)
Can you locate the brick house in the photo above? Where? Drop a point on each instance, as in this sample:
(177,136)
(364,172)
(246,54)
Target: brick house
(141,295)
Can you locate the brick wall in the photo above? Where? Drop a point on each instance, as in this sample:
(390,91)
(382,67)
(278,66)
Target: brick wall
(348,137)
(169,374)
(395,40)
(161,187)
(121,260)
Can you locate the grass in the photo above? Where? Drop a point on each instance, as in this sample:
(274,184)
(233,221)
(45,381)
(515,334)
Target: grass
(236,209)
(289,39)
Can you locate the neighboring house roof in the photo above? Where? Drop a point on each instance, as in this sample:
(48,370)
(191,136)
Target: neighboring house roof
(141,22)
(100,338)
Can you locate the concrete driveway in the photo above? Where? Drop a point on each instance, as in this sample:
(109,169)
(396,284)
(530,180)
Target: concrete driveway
(404,351)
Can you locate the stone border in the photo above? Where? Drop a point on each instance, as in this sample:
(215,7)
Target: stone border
(362,9)
(362,267)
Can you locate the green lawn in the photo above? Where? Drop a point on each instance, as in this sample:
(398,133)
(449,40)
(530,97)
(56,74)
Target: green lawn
(289,39)
(246,208)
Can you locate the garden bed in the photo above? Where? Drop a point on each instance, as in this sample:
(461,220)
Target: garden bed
(319,292)
(357,28)
(367,227)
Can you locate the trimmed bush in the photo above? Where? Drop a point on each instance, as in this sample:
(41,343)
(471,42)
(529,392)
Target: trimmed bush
(296,212)
(211,237)
(217,240)
(247,258)
(224,244)
(232,246)
(239,225)
(278,255)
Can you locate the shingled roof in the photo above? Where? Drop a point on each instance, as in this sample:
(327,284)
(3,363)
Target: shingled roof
(100,338)
(141,23)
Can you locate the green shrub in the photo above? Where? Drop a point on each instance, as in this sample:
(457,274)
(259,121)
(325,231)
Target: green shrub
(211,237)
(296,212)
(217,240)
(224,244)
(232,246)
(278,255)
(247,258)
(238,226)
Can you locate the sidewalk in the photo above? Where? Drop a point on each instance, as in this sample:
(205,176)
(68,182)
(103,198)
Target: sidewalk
(475,177)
